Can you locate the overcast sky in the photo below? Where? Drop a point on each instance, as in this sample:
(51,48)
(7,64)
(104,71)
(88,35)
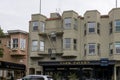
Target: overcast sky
(16,14)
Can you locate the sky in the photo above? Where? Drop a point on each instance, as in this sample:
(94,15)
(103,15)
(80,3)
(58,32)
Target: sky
(16,14)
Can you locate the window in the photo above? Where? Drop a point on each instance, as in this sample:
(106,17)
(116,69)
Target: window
(42,45)
(35,25)
(91,48)
(67,22)
(117,47)
(75,44)
(98,48)
(98,28)
(22,43)
(75,24)
(42,26)
(67,42)
(91,27)
(15,43)
(111,48)
(84,29)
(34,45)
(110,24)
(85,49)
(117,25)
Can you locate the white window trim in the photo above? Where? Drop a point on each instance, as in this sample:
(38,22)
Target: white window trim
(42,47)
(116,25)
(88,26)
(35,46)
(115,47)
(64,43)
(89,48)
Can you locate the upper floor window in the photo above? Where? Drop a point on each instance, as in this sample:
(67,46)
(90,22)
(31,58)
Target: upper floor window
(110,27)
(92,48)
(111,48)
(42,26)
(117,25)
(117,47)
(67,42)
(34,45)
(91,27)
(75,44)
(15,43)
(67,22)
(85,49)
(22,43)
(42,45)
(75,24)
(35,25)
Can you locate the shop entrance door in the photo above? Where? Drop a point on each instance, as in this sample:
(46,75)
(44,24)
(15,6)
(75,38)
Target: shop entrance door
(87,74)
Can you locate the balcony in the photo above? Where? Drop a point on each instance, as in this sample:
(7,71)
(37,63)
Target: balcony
(14,49)
(57,31)
(17,54)
(69,54)
(35,55)
(48,51)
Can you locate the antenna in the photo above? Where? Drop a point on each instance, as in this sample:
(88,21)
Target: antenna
(116,3)
(40,6)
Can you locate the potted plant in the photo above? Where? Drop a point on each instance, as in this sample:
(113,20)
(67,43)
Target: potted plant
(72,76)
(57,76)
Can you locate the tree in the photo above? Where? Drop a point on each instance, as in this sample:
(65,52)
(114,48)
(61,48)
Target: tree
(1,32)
(1,35)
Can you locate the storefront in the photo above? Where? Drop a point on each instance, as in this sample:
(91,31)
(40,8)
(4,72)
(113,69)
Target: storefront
(103,69)
(12,69)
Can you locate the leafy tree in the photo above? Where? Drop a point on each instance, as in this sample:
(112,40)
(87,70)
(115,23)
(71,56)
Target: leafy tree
(1,35)
(1,32)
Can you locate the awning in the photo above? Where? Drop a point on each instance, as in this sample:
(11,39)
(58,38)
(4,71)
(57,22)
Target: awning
(10,65)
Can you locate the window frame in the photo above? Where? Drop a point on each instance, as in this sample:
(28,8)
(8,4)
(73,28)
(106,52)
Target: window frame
(116,51)
(90,52)
(42,26)
(14,43)
(110,48)
(75,44)
(42,47)
(75,24)
(90,26)
(35,25)
(67,44)
(35,46)
(68,23)
(117,27)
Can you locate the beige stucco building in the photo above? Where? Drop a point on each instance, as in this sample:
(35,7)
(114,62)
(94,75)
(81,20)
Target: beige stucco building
(13,62)
(87,46)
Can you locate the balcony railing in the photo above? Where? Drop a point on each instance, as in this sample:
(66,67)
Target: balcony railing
(48,31)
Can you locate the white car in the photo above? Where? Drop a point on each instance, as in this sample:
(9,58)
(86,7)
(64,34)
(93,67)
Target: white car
(37,77)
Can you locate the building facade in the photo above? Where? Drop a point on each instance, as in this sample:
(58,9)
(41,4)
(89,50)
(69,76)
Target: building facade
(13,62)
(70,45)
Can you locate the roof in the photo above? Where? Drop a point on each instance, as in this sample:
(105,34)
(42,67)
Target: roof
(16,31)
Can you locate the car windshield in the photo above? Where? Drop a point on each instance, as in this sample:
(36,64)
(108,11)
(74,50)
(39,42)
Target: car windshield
(33,78)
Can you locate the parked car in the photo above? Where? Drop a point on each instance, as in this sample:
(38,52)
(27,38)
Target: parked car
(37,77)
